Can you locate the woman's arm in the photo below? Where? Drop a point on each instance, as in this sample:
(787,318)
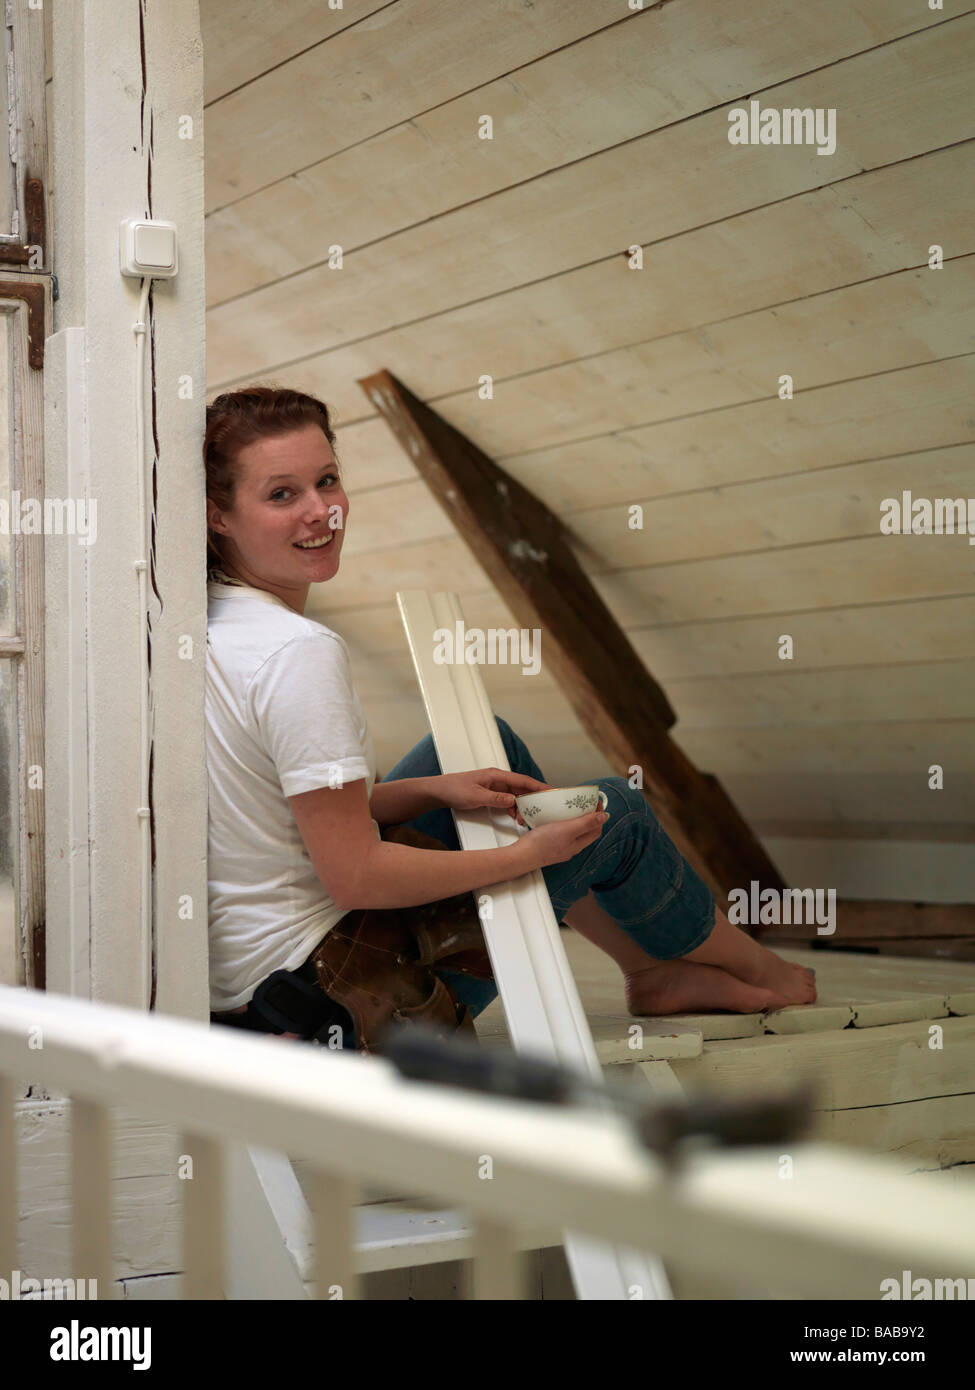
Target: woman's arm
(392,803)
(359,871)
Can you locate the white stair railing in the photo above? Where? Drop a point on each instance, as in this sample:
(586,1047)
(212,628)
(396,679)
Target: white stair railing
(842,1224)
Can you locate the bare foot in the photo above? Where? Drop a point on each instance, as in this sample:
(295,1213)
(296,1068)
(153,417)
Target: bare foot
(681,986)
(796,982)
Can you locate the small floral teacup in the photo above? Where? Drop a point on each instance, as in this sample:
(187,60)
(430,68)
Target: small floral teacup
(559,803)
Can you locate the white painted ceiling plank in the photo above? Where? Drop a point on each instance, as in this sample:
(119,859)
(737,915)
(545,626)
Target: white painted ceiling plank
(553,113)
(852,637)
(375,73)
(696,177)
(923,406)
(244,38)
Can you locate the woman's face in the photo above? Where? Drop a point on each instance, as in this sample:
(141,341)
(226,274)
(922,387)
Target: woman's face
(288,492)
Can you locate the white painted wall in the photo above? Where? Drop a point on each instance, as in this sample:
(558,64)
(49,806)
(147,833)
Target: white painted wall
(113,147)
(910,871)
(101,125)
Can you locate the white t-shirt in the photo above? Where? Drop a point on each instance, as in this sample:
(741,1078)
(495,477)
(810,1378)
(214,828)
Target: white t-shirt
(282,717)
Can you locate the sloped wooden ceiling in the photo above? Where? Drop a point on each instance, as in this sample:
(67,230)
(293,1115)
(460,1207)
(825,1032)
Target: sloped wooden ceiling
(660,386)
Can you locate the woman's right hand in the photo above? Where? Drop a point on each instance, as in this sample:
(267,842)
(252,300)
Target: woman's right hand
(560,840)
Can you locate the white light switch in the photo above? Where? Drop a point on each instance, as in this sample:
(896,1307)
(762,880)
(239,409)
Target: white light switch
(147,248)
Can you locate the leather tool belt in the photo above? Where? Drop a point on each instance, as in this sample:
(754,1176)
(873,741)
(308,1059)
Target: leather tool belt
(378,962)
(374,971)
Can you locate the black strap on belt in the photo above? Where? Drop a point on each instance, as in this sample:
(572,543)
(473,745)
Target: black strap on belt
(292,1001)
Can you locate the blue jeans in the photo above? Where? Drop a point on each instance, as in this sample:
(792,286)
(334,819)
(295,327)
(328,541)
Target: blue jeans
(635,871)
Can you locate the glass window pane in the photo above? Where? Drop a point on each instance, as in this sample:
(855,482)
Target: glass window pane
(9,934)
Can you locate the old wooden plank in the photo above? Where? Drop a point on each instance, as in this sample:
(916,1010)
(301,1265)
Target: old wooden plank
(522,545)
(821,1017)
(875,1013)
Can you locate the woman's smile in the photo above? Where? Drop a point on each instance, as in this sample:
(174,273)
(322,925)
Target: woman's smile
(316,542)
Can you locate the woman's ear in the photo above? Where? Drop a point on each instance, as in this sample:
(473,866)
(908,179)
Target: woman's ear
(215,521)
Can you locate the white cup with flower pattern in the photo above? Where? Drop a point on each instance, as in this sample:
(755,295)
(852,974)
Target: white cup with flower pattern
(559,803)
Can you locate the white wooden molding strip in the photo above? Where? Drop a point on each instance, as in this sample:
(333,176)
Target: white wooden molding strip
(541,1002)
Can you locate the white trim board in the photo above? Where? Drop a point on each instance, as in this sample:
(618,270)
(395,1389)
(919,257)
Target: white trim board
(538,992)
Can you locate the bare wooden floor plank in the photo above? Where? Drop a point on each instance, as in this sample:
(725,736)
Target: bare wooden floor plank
(859,991)
(618,1039)
(849,1067)
(937,1132)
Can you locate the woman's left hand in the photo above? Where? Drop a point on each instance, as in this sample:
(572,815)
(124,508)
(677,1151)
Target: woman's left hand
(488,786)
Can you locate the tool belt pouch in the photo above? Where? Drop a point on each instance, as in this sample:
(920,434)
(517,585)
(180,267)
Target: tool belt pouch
(378,962)
(286,1003)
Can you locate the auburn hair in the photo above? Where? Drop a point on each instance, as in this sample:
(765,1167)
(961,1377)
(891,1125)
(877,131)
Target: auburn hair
(238,418)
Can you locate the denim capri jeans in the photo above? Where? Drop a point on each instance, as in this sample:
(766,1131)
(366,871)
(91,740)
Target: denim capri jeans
(635,871)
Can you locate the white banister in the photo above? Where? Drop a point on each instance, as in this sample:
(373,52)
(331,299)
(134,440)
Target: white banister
(8,1175)
(91,1209)
(498,1270)
(333,1205)
(844,1222)
(202,1162)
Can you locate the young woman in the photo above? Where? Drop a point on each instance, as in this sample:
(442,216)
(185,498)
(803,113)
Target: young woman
(301,835)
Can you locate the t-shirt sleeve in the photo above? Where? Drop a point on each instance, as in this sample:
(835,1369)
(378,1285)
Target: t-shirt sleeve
(306,713)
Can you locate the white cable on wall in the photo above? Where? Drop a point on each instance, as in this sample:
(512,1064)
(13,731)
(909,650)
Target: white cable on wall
(148,250)
(142,569)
